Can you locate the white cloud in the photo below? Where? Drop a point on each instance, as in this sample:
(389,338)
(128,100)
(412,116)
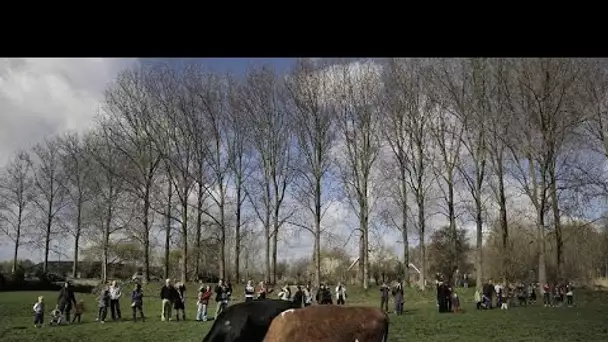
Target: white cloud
(45,96)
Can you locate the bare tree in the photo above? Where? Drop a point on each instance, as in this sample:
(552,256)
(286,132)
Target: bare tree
(449,80)
(50,199)
(357,109)
(176,112)
(76,164)
(395,131)
(106,164)
(407,78)
(596,124)
(541,94)
(211,100)
(15,200)
(491,104)
(313,121)
(128,108)
(263,103)
(240,165)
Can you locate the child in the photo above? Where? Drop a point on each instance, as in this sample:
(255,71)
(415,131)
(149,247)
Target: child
(104,303)
(455,302)
(78,310)
(137,303)
(500,298)
(56,316)
(204,294)
(547,295)
(39,312)
(570,295)
(503,300)
(478,299)
(485,302)
(249,291)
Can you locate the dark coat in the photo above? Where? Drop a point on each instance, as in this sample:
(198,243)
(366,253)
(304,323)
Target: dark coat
(247,321)
(66,295)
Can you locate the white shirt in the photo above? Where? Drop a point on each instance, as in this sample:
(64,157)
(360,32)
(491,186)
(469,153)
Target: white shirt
(38,307)
(340,292)
(115,292)
(249,291)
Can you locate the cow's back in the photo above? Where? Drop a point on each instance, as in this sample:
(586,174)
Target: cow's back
(328,323)
(247,321)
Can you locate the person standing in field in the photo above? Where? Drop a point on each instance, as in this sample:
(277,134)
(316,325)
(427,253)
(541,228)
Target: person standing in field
(203,303)
(262,291)
(103,303)
(180,301)
(249,291)
(66,300)
(221,296)
(398,295)
(384,291)
(167,296)
(78,311)
(39,312)
(307,295)
(340,294)
(570,295)
(137,303)
(115,294)
(547,295)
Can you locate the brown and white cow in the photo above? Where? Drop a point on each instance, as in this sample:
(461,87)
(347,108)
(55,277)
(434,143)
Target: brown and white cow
(329,323)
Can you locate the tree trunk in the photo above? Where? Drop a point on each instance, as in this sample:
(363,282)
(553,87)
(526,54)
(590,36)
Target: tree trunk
(364,240)
(168,230)
(199,227)
(223,230)
(558,224)
(317,234)
(47,240)
(404,235)
(146,223)
(106,232)
(185,238)
(77,239)
(237,232)
(422,228)
(479,245)
(453,228)
(275,244)
(17,239)
(267,248)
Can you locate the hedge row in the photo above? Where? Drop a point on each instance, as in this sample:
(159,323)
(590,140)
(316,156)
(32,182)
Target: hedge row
(8,283)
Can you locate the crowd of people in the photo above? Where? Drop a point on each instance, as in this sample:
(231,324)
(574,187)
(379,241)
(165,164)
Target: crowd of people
(554,295)
(173,299)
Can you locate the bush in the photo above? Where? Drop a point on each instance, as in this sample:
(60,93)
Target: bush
(17,282)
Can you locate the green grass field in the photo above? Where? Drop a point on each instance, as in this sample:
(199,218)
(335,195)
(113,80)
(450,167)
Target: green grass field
(586,322)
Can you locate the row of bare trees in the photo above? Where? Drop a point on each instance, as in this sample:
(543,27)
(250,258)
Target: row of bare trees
(210,157)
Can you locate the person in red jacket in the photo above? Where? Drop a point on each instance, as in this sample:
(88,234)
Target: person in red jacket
(204,294)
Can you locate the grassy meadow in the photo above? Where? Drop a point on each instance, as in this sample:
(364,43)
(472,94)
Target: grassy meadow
(585,322)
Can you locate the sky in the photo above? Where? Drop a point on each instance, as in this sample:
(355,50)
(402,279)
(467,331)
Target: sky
(43,97)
